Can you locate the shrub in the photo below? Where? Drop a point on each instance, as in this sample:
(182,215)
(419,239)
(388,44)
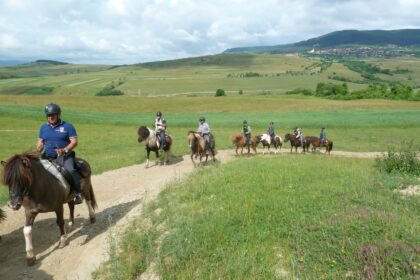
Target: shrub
(240,92)
(109,91)
(303,91)
(405,161)
(220,92)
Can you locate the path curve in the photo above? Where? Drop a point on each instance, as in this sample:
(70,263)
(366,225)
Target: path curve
(121,194)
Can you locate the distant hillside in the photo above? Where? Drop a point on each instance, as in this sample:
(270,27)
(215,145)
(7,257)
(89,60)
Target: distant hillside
(4,63)
(49,62)
(401,38)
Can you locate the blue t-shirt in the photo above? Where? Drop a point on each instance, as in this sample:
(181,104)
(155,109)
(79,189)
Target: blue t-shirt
(55,137)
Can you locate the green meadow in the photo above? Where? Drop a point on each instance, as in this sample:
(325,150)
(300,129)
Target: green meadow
(289,217)
(283,217)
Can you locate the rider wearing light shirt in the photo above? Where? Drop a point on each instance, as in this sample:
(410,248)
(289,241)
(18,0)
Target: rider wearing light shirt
(160,125)
(204,130)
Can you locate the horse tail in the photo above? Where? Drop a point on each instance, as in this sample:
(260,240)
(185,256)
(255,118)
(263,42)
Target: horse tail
(88,192)
(2,215)
(330,146)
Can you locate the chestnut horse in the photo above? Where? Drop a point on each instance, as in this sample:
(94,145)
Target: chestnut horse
(239,141)
(32,186)
(316,143)
(152,144)
(294,142)
(197,146)
(266,141)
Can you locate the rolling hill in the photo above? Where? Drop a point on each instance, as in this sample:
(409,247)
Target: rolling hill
(407,38)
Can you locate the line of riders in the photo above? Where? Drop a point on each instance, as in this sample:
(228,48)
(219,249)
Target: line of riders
(57,140)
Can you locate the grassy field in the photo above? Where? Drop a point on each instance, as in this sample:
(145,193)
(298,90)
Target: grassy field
(107,127)
(196,76)
(338,220)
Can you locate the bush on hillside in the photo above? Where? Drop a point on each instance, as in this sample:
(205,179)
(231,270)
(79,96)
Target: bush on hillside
(328,89)
(303,91)
(220,92)
(109,91)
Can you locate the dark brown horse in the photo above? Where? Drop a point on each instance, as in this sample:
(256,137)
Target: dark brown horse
(294,142)
(316,143)
(239,141)
(152,144)
(266,141)
(197,146)
(308,142)
(32,186)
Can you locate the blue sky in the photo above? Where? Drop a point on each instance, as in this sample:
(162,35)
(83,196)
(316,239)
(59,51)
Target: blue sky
(133,31)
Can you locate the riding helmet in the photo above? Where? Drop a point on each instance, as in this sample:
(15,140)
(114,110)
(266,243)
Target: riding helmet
(202,119)
(158,114)
(52,109)
(245,122)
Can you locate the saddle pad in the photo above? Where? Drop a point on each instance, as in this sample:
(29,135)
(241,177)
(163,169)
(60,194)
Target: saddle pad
(56,173)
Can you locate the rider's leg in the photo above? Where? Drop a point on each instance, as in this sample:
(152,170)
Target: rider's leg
(162,139)
(70,167)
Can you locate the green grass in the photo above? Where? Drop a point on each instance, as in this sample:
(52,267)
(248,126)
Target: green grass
(271,218)
(107,127)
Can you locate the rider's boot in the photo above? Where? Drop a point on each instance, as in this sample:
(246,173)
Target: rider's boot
(78,199)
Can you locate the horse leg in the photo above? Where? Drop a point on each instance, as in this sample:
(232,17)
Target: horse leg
(147,157)
(71,222)
(27,232)
(60,223)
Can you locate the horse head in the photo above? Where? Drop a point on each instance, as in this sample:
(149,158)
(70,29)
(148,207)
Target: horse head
(18,176)
(287,137)
(143,133)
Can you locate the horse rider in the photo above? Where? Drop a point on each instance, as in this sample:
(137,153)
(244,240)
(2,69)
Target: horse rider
(323,136)
(270,131)
(246,131)
(299,135)
(204,130)
(160,125)
(58,139)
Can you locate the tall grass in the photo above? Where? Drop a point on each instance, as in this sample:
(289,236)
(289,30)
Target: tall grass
(289,217)
(404,161)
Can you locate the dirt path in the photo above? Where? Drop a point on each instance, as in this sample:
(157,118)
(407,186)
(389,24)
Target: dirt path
(121,194)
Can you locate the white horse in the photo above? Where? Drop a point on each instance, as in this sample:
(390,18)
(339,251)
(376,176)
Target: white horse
(265,139)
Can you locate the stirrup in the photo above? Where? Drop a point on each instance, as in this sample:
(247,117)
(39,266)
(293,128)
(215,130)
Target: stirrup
(78,199)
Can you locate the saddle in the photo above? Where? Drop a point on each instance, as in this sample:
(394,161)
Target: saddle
(56,168)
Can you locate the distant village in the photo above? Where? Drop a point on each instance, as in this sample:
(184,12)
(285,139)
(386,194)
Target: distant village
(362,52)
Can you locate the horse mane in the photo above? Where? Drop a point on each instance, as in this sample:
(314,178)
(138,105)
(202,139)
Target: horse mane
(143,132)
(17,169)
(236,137)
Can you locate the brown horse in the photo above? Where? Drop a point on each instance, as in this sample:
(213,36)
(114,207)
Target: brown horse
(32,186)
(316,143)
(266,141)
(294,142)
(239,141)
(197,146)
(152,144)
(309,140)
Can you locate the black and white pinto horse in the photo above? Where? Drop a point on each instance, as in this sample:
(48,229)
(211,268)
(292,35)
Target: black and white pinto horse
(152,144)
(266,141)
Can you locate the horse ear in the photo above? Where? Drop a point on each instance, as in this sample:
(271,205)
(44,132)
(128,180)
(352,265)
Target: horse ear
(3,163)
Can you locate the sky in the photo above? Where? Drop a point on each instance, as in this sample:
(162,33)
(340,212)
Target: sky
(135,31)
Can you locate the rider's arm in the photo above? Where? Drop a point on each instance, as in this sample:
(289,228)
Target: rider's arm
(40,145)
(69,147)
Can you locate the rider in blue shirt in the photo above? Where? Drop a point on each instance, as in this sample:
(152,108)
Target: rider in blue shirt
(58,138)
(322,135)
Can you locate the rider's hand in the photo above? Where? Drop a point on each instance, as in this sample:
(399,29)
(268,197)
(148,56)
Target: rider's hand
(60,152)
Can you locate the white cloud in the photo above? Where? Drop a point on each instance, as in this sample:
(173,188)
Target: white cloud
(8,41)
(132,31)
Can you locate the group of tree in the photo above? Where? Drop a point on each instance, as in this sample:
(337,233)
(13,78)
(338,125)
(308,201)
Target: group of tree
(341,91)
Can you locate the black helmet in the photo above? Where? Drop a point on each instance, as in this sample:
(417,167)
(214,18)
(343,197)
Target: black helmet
(245,122)
(202,119)
(52,109)
(158,114)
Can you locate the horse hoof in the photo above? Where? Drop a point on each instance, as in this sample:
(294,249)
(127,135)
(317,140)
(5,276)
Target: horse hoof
(92,220)
(30,261)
